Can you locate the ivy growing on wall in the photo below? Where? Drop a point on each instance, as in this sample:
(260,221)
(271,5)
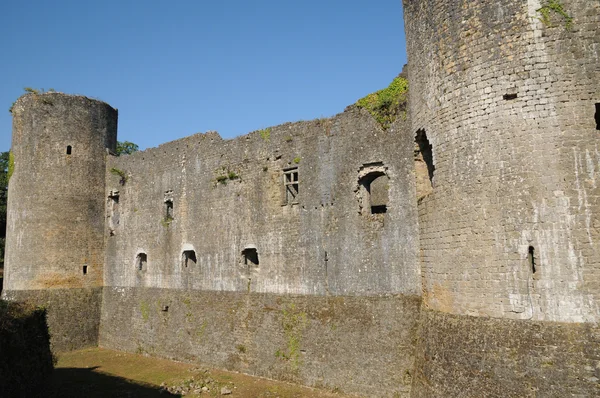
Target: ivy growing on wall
(556,8)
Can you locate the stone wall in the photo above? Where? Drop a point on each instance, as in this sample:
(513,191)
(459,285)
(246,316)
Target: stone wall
(230,196)
(210,258)
(73,315)
(507,104)
(464,356)
(362,345)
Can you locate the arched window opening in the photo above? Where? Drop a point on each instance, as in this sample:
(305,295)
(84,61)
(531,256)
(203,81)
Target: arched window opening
(68,149)
(250,255)
(372,190)
(141,262)
(188,258)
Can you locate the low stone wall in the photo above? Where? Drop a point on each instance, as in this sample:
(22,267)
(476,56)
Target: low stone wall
(25,356)
(73,314)
(462,356)
(361,345)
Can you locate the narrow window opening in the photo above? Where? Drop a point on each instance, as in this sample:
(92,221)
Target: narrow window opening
(68,149)
(597,116)
(188,258)
(531,258)
(114,216)
(141,262)
(508,97)
(85,269)
(425,150)
(250,257)
(291,184)
(169,210)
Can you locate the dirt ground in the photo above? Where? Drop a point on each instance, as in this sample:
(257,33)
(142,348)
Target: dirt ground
(99,372)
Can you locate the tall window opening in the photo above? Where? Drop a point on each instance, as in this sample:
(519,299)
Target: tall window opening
(291,184)
(168,209)
(424,167)
(531,258)
(169,214)
(114,216)
(373,187)
(597,116)
(188,258)
(85,269)
(250,257)
(376,187)
(426,151)
(68,149)
(141,262)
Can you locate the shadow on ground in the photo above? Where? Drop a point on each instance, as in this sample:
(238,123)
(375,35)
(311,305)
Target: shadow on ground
(77,382)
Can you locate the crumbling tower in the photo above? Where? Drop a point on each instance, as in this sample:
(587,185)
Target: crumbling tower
(55,237)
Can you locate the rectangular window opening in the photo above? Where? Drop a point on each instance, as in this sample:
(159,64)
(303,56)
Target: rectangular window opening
(85,267)
(291,184)
(508,97)
(597,116)
(68,149)
(378,209)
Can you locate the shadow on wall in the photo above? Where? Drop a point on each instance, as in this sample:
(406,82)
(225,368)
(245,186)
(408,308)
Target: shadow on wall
(26,361)
(75,382)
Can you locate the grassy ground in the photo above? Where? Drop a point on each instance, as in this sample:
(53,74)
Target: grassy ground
(104,373)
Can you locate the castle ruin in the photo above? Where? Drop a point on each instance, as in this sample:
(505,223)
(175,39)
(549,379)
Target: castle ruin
(454,253)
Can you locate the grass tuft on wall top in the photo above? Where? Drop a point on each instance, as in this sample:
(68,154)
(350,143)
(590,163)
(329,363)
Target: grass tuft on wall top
(387,104)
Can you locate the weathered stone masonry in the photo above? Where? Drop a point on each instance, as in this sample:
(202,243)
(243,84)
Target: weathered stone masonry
(454,254)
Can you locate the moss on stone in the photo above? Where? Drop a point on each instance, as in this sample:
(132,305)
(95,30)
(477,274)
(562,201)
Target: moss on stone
(11,165)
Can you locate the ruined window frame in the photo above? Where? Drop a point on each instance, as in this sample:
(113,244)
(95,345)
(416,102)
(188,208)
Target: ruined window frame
(291,185)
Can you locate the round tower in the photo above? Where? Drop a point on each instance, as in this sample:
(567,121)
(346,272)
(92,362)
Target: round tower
(55,226)
(505,108)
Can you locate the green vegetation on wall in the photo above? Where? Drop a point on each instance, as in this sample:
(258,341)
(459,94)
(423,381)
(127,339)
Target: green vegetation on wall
(386,105)
(554,7)
(293,322)
(224,175)
(265,134)
(120,173)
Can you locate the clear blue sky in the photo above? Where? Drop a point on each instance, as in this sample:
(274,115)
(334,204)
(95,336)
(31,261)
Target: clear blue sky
(174,68)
